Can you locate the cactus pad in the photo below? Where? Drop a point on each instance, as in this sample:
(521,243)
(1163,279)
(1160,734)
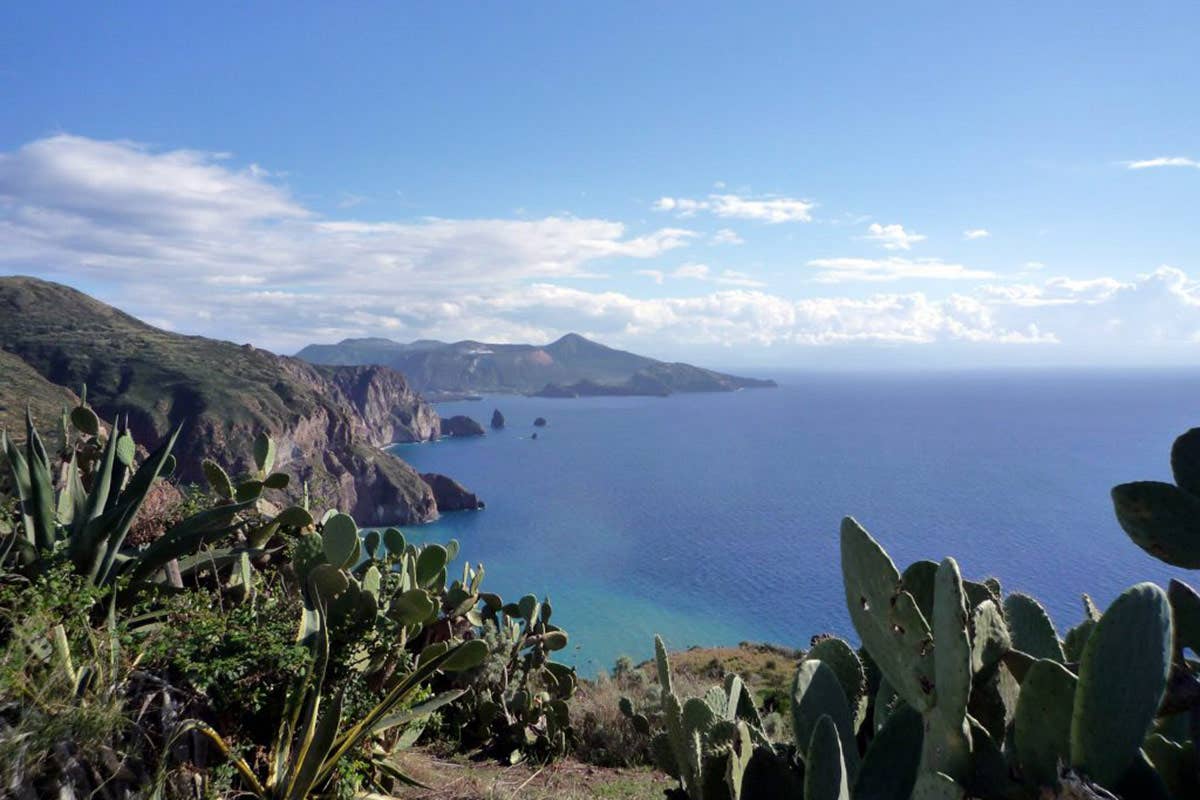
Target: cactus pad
(816,694)
(891,626)
(1122,677)
(339,539)
(844,662)
(889,769)
(1161,519)
(1032,631)
(1042,727)
(992,639)
(1185,461)
(825,774)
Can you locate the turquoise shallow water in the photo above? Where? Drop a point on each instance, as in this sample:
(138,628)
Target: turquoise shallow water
(713,519)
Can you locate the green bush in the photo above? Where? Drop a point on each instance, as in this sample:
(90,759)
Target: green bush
(241,657)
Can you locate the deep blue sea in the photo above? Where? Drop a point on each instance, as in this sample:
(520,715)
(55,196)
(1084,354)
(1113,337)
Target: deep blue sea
(713,518)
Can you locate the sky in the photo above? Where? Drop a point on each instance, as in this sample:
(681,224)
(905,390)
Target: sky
(774,184)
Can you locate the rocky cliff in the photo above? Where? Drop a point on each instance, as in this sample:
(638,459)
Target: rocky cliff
(390,409)
(327,425)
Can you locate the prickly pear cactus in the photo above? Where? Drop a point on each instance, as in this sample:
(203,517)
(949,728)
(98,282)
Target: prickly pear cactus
(1042,728)
(825,773)
(891,625)
(1162,518)
(1122,677)
(816,695)
(1032,631)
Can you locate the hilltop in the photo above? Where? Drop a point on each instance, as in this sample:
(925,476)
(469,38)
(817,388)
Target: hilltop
(328,422)
(570,366)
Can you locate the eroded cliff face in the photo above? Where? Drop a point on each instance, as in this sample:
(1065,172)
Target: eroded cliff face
(391,410)
(331,444)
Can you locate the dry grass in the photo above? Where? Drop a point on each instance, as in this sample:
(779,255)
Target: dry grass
(765,667)
(606,738)
(461,779)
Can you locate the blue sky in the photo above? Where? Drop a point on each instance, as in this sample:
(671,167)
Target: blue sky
(780,185)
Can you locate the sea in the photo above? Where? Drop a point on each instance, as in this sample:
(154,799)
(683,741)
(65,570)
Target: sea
(712,519)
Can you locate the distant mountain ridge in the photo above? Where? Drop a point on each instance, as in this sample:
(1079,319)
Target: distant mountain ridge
(570,366)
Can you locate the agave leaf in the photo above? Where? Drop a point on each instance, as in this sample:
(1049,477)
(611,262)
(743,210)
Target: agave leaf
(355,734)
(422,709)
(20,471)
(187,537)
(41,488)
(131,501)
(256,788)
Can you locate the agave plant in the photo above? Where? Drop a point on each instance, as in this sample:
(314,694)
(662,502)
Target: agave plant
(87,516)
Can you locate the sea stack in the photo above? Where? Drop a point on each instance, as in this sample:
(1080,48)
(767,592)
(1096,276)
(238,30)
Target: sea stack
(497,420)
(461,425)
(450,494)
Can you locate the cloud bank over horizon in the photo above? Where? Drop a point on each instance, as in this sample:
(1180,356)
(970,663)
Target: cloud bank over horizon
(191,241)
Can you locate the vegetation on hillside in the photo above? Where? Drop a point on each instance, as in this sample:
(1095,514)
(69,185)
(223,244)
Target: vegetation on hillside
(175,641)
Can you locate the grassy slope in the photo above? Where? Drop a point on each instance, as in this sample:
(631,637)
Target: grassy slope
(128,365)
(23,384)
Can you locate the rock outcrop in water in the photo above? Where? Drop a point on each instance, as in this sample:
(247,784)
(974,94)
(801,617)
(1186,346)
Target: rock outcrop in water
(497,420)
(461,425)
(540,422)
(450,494)
(327,424)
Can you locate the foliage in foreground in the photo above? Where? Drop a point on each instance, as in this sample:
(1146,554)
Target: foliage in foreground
(230,645)
(961,691)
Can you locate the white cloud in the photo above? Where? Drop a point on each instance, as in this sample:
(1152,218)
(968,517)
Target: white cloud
(191,241)
(976,233)
(728,277)
(769,209)
(695,271)
(843,270)
(727,236)
(1164,161)
(732,277)
(1034,266)
(119,211)
(892,237)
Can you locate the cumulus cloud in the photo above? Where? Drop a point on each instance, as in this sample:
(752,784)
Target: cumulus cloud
(769,209)
(727,236)
(727,277)
(844,270)
(119,210)
(1164,161)
(702,272)
(893,237)
(976,233)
